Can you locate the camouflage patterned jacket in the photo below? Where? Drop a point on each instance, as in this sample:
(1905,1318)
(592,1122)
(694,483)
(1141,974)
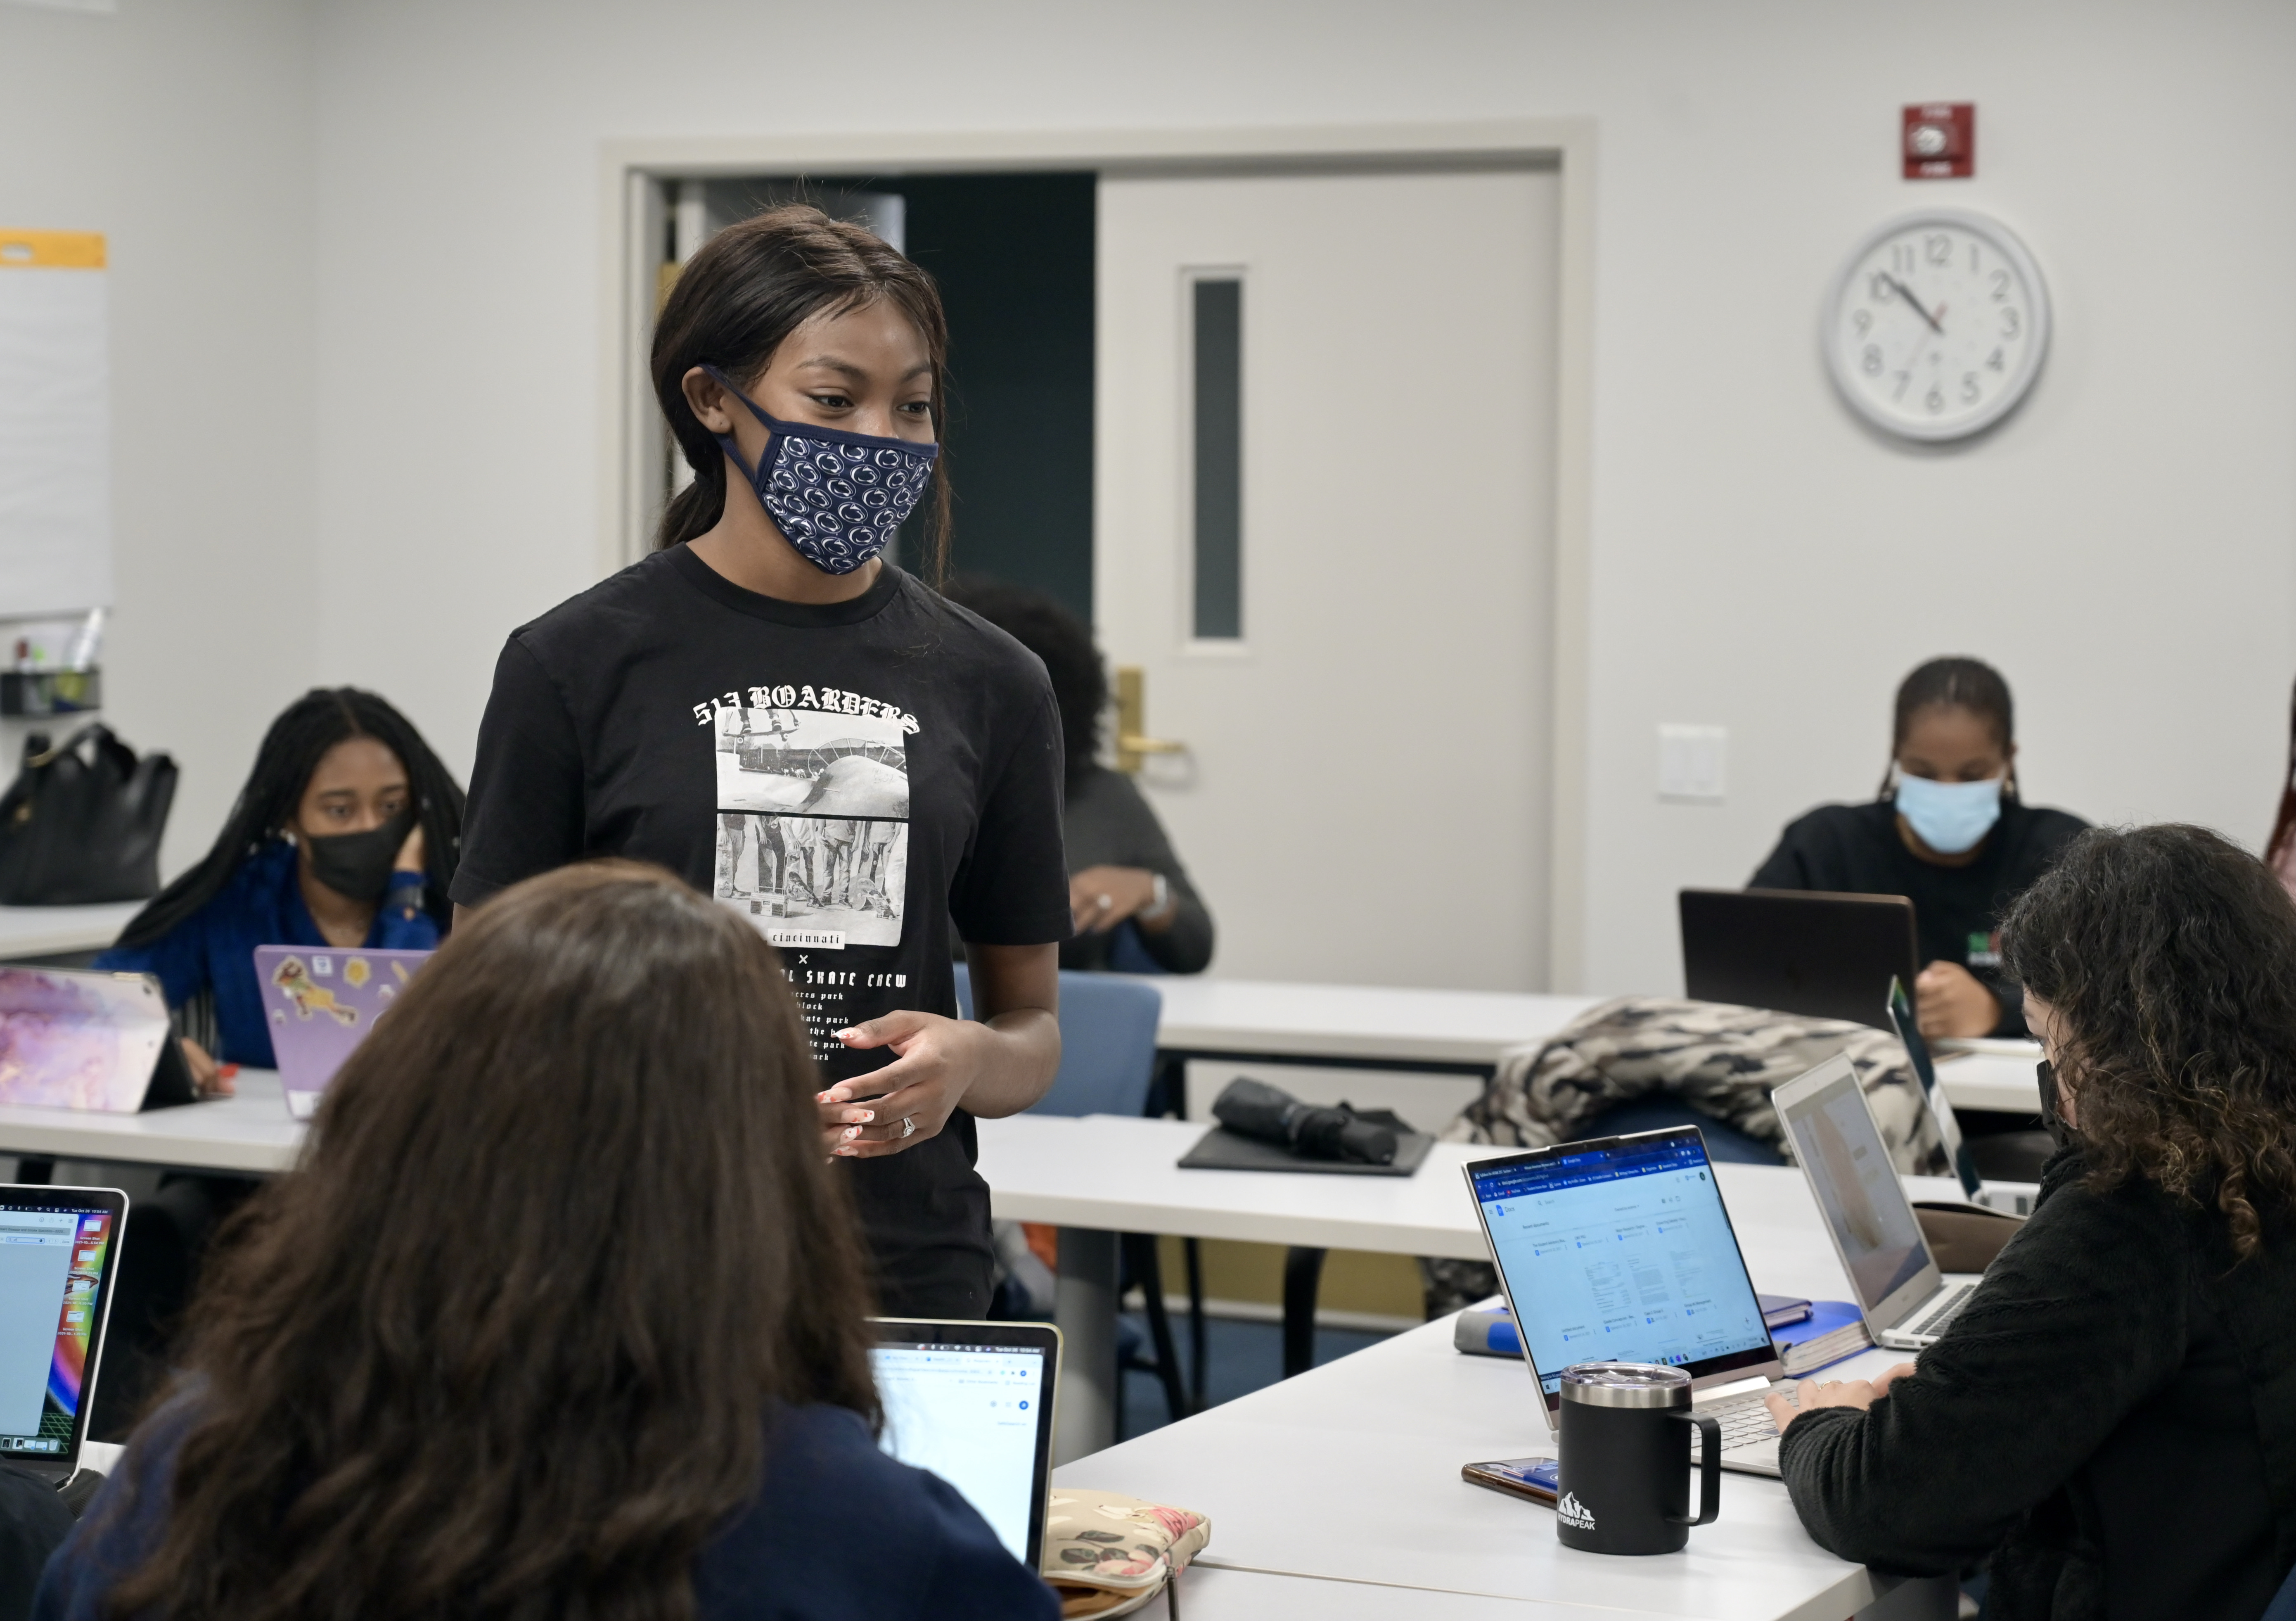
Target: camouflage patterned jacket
(1719,1060)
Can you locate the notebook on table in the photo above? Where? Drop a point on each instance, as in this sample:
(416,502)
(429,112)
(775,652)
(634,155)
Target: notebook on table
(320,1002)
(1620,1249)
(972,1402)
(58,1253)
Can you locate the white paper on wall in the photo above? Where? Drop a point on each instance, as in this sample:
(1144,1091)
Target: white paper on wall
(55,424)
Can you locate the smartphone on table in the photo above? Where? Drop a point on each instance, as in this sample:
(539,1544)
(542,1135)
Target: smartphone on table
(1531,1478)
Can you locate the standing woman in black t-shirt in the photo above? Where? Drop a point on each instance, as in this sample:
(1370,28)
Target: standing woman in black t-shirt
(1950,833)
(769,709)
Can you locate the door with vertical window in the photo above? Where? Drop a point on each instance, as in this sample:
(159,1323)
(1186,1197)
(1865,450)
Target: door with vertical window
(1324,534)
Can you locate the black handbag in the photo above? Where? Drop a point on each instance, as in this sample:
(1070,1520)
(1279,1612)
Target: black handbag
(81,824)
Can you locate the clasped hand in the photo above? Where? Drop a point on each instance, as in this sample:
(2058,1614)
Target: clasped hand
(936,1061)
(1809,1395)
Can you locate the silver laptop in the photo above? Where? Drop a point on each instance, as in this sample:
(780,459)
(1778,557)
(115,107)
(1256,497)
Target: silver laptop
(1620,1249)
(972,1402)
(59,1254)
(1907,1301)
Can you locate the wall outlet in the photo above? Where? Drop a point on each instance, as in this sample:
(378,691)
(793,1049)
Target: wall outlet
(1691,762)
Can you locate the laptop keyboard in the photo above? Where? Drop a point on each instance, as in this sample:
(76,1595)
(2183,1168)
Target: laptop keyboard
(1940,1316)
(1744,1421)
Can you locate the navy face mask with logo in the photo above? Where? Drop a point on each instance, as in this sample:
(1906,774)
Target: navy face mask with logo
(836,496)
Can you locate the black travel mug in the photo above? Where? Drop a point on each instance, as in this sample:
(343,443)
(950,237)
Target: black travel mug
(1623,1476)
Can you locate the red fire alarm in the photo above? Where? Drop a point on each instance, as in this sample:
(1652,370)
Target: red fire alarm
(1942,140)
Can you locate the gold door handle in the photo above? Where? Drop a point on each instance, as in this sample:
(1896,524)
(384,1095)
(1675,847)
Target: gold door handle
(1132,745)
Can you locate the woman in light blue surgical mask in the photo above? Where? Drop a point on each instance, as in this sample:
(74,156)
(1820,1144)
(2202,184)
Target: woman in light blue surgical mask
(771,707)
(1950,832)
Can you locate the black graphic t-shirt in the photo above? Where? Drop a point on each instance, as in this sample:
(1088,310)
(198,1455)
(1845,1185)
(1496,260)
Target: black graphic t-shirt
(851,778)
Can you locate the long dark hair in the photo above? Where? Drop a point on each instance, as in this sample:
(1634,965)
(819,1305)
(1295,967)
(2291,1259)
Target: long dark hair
(2170,954)
(509,1342)
(749,287)
(1064,642)
(265,808)
(1954,683)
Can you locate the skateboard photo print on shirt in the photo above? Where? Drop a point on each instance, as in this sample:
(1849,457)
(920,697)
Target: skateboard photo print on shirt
(813,835)
(821,881)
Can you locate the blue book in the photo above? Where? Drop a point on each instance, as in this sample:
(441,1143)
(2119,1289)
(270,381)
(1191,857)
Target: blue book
(1834,1329)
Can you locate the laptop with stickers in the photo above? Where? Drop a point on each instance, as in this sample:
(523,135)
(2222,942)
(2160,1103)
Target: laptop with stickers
(320,1002)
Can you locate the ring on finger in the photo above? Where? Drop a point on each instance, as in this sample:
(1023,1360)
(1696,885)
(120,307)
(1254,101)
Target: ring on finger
(908,1128)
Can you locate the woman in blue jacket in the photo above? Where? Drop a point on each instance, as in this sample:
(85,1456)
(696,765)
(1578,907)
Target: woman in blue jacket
(346,834)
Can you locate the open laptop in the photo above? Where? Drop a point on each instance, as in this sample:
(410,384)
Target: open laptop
(321,1003)
(1948,1125)
(1807,951)
(972,1402)
(59,1252)
(1907,1301)
(1620,1249)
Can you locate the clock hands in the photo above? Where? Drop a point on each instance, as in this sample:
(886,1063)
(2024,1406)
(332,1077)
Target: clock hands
(1907,293)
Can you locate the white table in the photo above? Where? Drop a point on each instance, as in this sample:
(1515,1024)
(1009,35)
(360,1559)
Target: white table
(245,1135)
(1350,1475)
(2004,1083)
(56,931)
(1108,1174)
(1386,1023)
(1391,1025)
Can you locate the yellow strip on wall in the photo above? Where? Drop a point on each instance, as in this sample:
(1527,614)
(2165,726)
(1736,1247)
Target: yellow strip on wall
(51,249)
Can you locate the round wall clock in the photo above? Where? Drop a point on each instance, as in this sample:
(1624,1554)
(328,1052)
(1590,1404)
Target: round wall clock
(1936,325)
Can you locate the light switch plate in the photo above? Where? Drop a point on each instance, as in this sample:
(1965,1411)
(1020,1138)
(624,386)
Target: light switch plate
(1692,761)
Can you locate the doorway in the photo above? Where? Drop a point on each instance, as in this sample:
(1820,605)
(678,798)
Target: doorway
(1013,253)
(1339,834)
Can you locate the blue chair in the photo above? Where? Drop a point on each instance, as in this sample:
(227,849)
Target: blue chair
(1108,1058)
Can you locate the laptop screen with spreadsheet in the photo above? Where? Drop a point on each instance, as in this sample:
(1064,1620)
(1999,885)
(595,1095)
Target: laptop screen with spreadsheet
(1620,1250)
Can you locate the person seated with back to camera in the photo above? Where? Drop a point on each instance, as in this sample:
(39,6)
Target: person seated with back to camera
(1950,833)
(346,834)
(2111,1419)
(561,1314)
(1122,868)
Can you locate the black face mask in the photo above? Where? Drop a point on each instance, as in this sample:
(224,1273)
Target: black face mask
(2060,1133)
(358,865)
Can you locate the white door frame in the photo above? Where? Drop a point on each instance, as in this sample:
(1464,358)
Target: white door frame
(629,436)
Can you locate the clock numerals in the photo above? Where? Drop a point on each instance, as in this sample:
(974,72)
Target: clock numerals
(1940,324)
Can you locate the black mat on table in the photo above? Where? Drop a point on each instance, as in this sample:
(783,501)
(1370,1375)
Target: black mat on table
(1221,1149)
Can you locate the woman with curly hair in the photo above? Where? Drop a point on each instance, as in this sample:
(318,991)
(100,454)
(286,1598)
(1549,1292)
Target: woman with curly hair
(2111,1421)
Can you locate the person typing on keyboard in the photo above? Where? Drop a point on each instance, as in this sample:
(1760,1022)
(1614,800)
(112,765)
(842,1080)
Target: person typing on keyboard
(2107,1428)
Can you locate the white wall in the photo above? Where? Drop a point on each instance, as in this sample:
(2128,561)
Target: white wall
(181,131)
(2121,548)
